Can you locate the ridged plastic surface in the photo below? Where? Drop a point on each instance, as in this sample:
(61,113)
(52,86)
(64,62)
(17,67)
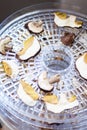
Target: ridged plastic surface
(38,115)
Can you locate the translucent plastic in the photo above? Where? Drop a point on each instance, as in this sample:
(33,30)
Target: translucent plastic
(57,59)
(15,113)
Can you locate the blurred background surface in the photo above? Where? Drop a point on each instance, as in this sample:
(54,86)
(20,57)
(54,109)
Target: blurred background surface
(7,7)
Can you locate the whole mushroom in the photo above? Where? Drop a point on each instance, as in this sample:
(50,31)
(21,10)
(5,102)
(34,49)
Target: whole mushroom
(45,83)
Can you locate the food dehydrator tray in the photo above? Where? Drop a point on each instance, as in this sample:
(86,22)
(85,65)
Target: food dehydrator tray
(38,115)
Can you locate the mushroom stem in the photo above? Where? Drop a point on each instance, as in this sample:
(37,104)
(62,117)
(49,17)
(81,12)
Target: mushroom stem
(39,23)
(54,79)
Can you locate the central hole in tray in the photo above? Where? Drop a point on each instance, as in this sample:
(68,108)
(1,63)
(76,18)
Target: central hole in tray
(57,59)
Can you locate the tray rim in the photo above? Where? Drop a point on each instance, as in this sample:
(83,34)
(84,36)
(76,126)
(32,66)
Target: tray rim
(3,26)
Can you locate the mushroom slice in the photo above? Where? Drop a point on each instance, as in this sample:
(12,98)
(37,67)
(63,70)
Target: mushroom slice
(43,82)
(50,99)
(81,65)
(10,68)
(30,49)
(74,22)
(72,98)
(63,104)
(3,43)
(62,19)
(68,38)
(35,26)
(27,94)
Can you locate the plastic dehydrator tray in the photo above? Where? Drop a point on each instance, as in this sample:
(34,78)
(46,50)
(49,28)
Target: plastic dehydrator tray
(31,69)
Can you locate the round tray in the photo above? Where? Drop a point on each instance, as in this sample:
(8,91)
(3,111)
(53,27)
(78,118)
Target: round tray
(16,111)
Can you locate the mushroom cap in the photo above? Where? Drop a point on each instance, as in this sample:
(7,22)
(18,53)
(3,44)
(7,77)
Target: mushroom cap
(68,38)
(35,26)
(43,82)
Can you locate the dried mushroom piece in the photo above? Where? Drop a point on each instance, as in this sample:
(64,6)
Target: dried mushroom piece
(29,90)
(81,65)
(63,104)
(35,26)
(62,19)
(45,83)
(61,15)
(10,68)
(30,49)
(7,68)
(72,98)
(68,38)
(55,78)
(27,94)
(85,58)
(53,99)
(4,44)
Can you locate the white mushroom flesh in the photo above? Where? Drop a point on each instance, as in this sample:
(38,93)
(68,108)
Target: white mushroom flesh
(35,27)
(69,21)
(43,82)
(31,51)
(62,105)
(25,97)
(81,66)
(14,68)
(3,43)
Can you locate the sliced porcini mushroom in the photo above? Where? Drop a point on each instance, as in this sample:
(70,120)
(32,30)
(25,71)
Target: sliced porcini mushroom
(30,49)
(3,43)
(27,94)
(53,99)
(35,26)
(62,19)
(72,98)
(81,65)
(74,22)
(10,68)
(68,38)
(63,104)
(8,47)
(85,57)
(61,15)
(43,82)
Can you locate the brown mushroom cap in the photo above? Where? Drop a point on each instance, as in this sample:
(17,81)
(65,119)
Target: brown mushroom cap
(35,26)
(68,38)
